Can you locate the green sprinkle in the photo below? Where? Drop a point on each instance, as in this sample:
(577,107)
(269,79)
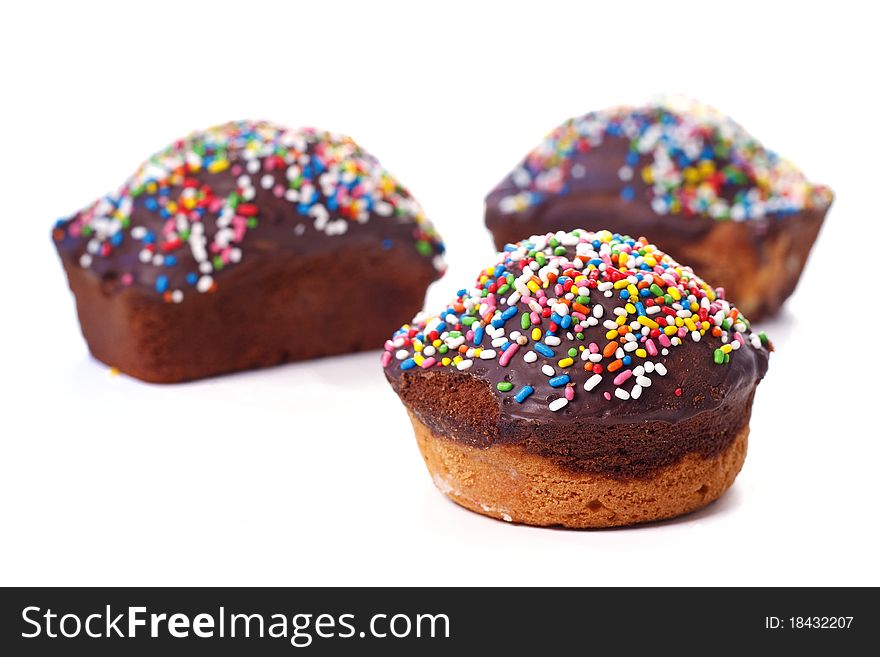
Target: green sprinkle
(718,356)
(656,290)
(467,321)
(218,263)
(583,299)
(572,352)
(763,337)
(423,247)
(504,289)
(505,386)
(525,321)
(579,336)
(559,250)
(553,242)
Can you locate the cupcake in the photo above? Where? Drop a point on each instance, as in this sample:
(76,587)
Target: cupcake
(690,179)
(584,380)
(223,250)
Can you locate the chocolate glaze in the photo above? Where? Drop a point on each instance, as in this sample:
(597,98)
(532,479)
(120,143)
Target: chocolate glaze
(617,438)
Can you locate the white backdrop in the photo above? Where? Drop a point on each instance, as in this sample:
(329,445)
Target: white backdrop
(308,473)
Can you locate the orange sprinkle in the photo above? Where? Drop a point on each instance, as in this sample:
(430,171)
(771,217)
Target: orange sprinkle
(615,365)
(716,331)
(588,367)
(609,349)
(581,308)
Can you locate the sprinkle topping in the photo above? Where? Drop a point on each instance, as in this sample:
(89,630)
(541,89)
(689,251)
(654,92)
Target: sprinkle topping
(204,191)
(542,296)
(686,158)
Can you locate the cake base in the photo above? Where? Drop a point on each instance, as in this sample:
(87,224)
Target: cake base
(279,309)
(508,483)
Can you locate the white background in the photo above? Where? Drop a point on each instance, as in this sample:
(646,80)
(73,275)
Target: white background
(309,473)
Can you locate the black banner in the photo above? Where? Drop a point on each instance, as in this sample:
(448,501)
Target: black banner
(334,621)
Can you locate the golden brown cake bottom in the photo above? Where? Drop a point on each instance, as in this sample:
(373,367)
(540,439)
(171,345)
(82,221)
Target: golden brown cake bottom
(509,483)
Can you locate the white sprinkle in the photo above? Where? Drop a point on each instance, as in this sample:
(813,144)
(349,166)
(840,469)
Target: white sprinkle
(145,255)
(85,260)
(530,357)
(649,366)
(643,381)
(497,342)
(664,351)
(620,393)
(204,284)
(429,351)
(595,358)
(177,296)
(620,312)
(139,232)
(267,181)
(631,345)
(548,370)
(638,370)
(552,341)
(252,166)
(402,354)
(556,404)
(465,364)
(625,173)
(610,324)
(695,336)
(636,391)
(661,369)
(158,259)
(592,382)
(206,267)
(487,354)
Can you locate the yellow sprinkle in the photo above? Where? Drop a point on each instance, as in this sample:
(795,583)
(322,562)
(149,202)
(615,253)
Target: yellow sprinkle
(611,335)
(633,291)
(218,165)
(695,307)
(670,330)
(651,262)
(457,360)
(641,353)
(445,361)
(478,351)
(418,358)
(484,278)
(582,348)
(631,309)
(566,362)
(679,321)
(533,286)
(622,283)
(536,334)
(437,343)
(648,175)
(114,371)
(705,326)
(417,345)
(673,292)
(647,321)
(690,324)
(726,348)
(621,320)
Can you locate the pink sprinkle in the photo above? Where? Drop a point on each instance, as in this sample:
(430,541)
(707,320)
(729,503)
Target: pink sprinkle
(278,191)
(607,396)
(720,292)
(508,354)
(739,338)
(535,318)
(127,279)
(569,392)
(682,331)
(623,376)
(236,170)
(389,346)
(559,290)
(651,347)
(386,358)
(664,340)
(428,362)
(579,316)
(469,336)
(542,300)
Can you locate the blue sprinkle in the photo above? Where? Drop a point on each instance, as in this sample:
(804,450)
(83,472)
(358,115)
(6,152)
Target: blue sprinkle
(627,360)
(387,244)
(510,312)
(170,260)
(498,323)
(559,381)
(161,283)
(632,158)
(544,350)
(149,238)
(566,321)
(478,334)
(508,248)
(505,345)
(440,327)
(555,318)
(151,204)
(461,292)
(644,292)
(596,261)
(116,240)
(192,278)
(640,308)
(523,394)
(624,294)
(627,193)
(408,364)
(499,270)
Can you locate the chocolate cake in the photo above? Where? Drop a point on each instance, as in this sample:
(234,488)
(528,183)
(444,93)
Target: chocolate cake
(688,178)
(584,380)
(231,248)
